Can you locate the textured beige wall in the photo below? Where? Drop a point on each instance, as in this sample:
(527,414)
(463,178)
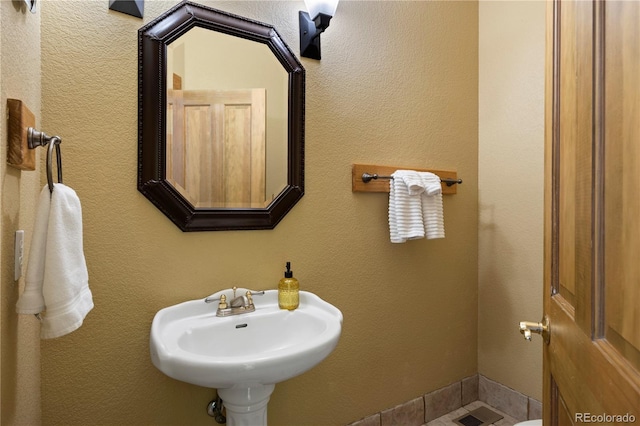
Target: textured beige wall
(20,349)
(511,146)
(397,85)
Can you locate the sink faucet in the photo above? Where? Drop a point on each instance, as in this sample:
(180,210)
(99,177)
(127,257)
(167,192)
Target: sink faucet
(239,304)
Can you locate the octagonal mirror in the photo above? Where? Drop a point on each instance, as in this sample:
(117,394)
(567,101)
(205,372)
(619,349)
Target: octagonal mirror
(221,120)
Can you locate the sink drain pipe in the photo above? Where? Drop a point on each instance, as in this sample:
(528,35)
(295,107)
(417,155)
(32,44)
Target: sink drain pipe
(214,409)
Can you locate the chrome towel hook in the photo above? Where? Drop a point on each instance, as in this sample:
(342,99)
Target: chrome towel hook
(36,139)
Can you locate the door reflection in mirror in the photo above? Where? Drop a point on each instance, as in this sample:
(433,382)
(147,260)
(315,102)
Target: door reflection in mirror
(226,121)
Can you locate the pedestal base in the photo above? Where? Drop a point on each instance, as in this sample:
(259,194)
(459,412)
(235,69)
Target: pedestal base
(246,406)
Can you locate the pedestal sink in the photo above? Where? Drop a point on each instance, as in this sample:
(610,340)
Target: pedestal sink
(243,356)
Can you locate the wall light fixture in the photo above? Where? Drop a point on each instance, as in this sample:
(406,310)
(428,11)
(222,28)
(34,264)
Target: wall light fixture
(31,5)
(310,29)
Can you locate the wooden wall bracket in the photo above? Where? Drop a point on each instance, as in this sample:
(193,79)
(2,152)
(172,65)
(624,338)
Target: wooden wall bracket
(20,119)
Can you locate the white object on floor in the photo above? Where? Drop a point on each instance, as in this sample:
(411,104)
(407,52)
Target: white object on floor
(530,423)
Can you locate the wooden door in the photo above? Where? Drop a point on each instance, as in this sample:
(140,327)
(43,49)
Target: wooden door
(592,213)
(216,146)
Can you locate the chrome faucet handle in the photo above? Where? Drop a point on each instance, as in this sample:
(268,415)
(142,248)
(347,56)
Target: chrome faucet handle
(252,292)
(246,300)
(235,289)
(222,299)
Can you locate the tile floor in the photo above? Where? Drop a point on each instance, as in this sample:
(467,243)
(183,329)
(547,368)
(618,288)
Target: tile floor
(441,406)
(447,419)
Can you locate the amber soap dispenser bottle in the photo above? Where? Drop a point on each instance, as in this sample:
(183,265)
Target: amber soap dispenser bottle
(288,290)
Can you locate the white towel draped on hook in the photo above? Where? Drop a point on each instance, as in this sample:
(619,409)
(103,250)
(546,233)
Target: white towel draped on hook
(415,206)
(57,281)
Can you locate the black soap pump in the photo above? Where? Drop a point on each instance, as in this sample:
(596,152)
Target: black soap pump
(288,290)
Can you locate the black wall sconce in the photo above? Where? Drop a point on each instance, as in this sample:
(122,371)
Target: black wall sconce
(310,29)
(31,5)
(130,7)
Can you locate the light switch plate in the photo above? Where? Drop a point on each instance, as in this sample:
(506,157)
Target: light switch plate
(19,254)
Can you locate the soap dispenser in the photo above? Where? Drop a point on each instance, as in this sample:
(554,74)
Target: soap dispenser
(288,288)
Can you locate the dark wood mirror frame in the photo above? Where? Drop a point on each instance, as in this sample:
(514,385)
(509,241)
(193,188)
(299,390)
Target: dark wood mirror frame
(153,39)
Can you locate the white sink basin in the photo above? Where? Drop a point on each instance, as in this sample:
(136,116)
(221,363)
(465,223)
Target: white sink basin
(248,353)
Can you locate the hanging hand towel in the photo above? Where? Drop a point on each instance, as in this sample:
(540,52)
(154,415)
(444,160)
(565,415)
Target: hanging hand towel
(405,206)
(432,211)
(32,301)
(57,280)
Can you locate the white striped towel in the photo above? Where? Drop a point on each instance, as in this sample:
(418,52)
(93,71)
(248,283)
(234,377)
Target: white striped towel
(415,206)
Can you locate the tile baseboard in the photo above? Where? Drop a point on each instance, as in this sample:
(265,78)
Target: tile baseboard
(432,405)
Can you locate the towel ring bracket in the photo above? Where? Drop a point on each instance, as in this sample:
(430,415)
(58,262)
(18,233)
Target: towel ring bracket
(36,139)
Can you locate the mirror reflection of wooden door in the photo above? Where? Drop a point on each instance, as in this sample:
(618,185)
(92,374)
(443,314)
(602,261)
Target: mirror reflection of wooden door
(216,146)
(592,213)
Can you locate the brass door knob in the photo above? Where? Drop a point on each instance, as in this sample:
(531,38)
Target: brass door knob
(541,328)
